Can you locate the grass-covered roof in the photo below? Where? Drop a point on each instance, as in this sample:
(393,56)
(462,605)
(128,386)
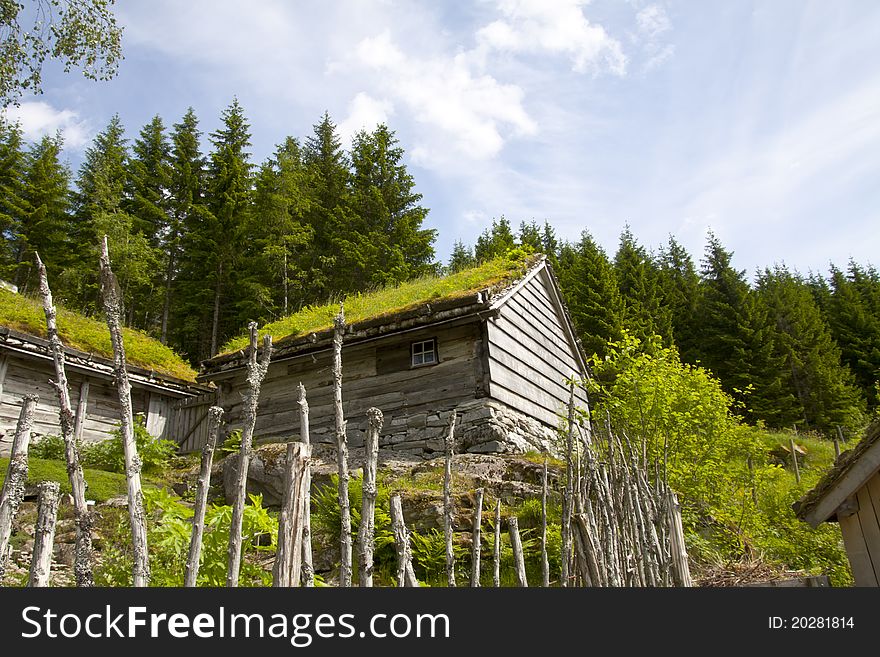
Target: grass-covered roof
(494,274)
(23,314)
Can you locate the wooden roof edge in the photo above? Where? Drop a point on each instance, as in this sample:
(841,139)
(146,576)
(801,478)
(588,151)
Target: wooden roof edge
(852,469)
(84,359)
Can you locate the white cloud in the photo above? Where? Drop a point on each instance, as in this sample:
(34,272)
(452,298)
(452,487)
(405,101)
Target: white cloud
(652,21)
(38,119)
(364,113)
(553,26)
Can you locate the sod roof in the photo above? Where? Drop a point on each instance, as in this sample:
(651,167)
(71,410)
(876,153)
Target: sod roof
(25,315)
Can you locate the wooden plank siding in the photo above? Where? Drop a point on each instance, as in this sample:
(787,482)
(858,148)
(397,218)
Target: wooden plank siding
(530,355)
(376,373)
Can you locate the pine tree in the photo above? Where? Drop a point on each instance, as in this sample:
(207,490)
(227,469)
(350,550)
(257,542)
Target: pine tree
(679,285)
(549,243)
(825,389)
(588,283)
(461,258)
(494,242)
(530,237)
(12,164)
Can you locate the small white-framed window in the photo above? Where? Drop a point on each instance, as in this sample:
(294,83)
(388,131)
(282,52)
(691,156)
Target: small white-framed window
(424,352)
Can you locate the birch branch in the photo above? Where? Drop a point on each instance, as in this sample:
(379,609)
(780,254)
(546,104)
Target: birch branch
(82,515)
(191,574)
(16,476)
(366,531)
(308,569)
(341,453)
(447,503)
(475,540)
(256,372)
(112,296)
(405,574)
(44,534)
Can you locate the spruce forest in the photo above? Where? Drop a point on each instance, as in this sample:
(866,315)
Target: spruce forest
(205,242)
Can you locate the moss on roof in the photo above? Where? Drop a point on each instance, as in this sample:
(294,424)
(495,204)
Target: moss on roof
(494,274)
(26,315)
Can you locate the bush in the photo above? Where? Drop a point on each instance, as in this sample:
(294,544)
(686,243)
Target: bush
(50,448)
(109,454)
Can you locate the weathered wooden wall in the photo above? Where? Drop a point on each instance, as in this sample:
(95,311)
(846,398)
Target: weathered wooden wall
(529,356)
(99,415)
(861,533)
(376,373)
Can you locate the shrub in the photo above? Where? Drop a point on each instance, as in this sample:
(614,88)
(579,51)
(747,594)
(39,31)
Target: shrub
(109,454)
(50,448)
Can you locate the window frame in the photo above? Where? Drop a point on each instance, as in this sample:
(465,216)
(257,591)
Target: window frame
(433,350)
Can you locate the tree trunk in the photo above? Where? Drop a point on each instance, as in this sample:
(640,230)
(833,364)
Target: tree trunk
(545,561)
(308,569)
(448,511)
(475,541)
(288,557)
(405,574)
(16,475)
(113,309)
(496,552)
(191,574)
(82,515)
(341,453)
(366,533)
(256,372)
(215,322)
(44,534)
(518,559)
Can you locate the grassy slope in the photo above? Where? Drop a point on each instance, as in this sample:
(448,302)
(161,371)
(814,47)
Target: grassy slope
(92,336)
(101,485)
(393,299)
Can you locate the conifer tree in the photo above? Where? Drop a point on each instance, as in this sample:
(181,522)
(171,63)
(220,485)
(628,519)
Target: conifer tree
(494,242)
(461,258)
(12,164)
(530,237)
(679,285)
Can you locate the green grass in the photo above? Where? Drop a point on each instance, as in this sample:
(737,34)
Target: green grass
(100,485)
(390,300)
(23,314)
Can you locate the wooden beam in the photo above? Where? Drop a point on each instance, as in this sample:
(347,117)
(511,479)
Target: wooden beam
(854,478)
(81,410)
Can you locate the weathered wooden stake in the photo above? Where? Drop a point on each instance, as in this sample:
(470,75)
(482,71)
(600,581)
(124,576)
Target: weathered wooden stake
(681,573)
(256,372)
(44,534)
(82,514)
(519,563)
(308,570)
(191,573)
(836,448)
(366,531)
(16,475)
(568,500)
(545,561)
(448,511)
(341,453)
(794,460)
(475,539)
(112,295)
(405,574)
(288,556)
(496,551)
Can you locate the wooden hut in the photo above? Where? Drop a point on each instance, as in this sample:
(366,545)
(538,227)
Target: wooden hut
(849,494)
(498,351)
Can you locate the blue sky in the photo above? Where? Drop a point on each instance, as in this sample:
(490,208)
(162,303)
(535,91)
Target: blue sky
(757,120)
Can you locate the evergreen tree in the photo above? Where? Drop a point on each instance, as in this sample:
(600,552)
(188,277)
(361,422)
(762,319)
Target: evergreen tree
(679,285)
(549,243)
(461,258)
(740,343)
(588,282)
(530,237)
(494,242)
(825,389)
(12,164)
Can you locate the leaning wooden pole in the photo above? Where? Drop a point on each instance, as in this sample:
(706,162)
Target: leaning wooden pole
(367,530)
(112,296)
(308,568)
(519,562)
(16,476)
(496,552)
(545,561)
(448,511)
(83,520)
(256,372)
(191,573)
(341,453)
(475,539)
(44,534)
(288,557)
(405,574)
(567,501)
(681,574)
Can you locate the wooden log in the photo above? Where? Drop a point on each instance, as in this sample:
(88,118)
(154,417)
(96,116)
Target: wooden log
(81,408)
(448,511)
(16,476)
(680,571)
(475,538)
(44,534)
(366,531)
(341,453)
(256,372)
(496,550)
(545,560)
(308,569)
(794,460)
(519,564)
(112,296)
(405,574)
(287,570)
(83,519)
(191,572)
(567,500)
